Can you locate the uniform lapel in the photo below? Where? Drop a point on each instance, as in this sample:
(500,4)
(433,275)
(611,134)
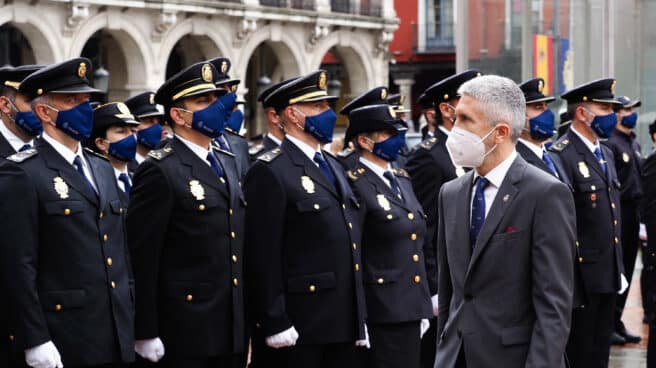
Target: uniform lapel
(65,170)
(383,188)
(503,200)
(199,169)
(309,168)
(102,178)
(229,163)
(6,149)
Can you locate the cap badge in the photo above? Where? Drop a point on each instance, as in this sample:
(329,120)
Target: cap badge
(123,108)
(540,86)
(322,81)
(82,70)
(206,73)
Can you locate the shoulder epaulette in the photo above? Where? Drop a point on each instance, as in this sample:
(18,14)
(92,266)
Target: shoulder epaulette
(345,152)
(160,153)
(218,149)
(270,156)
(401,172)
(355,173)
(94,153)
(428,143)
(559,146)
(19,157)
(255,149)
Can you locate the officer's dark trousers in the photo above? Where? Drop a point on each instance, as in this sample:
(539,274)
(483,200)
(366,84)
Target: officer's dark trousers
(315,356)
(651,346)
(394,345)
(429,345)
(589,338)
(630,246)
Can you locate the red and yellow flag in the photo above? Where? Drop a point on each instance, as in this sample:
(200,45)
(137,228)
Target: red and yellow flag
(543,61)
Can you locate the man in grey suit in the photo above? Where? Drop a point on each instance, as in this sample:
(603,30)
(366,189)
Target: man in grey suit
(505,242)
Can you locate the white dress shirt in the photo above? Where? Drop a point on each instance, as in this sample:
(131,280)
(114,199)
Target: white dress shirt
(496,177)
(379,171)
(139,158)
(70,156)
(306,148)
(275,140)
(15,142)
(196,149)
(538,150)
(592,146)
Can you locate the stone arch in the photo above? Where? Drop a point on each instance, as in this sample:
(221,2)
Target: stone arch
(41,35)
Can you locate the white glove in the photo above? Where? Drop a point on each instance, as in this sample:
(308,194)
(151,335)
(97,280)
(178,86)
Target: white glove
(624,284)
(283,339)
(436,307)
(150,349)
(423,327)
(643,232)
(43,356)
(364,342)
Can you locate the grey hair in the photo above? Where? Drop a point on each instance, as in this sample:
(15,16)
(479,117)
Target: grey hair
(40,100)
(501,101)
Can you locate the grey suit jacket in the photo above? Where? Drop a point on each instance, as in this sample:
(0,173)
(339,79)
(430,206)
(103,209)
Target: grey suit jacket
(508,302)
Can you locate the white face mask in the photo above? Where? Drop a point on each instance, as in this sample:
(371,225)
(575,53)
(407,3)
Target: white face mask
(466,148)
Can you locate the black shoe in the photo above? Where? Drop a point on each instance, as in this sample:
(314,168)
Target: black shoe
(631,339)
(617,339)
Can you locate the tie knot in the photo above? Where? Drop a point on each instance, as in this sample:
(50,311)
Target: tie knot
(24,148)
(318,158)
(77,161)
(481,183)
(388,175)
(123,176)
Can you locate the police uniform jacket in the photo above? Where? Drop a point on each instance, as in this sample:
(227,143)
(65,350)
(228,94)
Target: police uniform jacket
(68,257)
(186,233)
(393,234)
(628,163)
(239,147)
(303,264)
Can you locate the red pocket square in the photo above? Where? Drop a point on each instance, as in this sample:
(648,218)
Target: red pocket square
(510,229)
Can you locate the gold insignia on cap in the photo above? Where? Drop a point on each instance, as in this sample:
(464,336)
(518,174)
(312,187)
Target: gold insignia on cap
(585,98)
(583,169)
(151,99)
(612,87)
(446,96)
(82,70)
(540,86)
(307,184)
(383,93)
(39,91)
(224,67)
(61,187)
(206,73)
(233,88)
(123,108)
(322,81)
(197,190)
(625,157)
(391,111)
(383,202)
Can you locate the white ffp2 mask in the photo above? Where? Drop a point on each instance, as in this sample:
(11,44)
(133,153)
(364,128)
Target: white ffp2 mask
(466,148)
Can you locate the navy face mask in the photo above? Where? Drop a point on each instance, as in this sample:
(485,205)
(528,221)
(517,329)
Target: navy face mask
(235,121)
(542,126)
(630,121)
(210,121)
(603,125)
(124,149)
(150,137)
(321,126)
(389,149)
(76,122)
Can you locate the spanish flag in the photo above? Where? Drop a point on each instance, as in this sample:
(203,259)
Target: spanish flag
(543,61)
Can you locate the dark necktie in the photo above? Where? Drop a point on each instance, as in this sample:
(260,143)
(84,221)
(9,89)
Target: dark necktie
(478,209)
(221,140)
(25,148)
(77,163)
(393,183)
(214,162)
(600,158)
(549,162)
(325,169)
(126,182)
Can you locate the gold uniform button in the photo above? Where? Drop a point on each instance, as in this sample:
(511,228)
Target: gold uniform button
(417,279)
(120,210)
(580,259)
(222,180)
(235,282)
(189,297)
(389,217)
(312,288)
(67,211)
(101,215)
(411,216)
(615,222)
(612,205)
(58,307)
(343,206)
(577,243)
(413,237)
(617,241)
(593,187)
(201,207)
(357,267)
(316,206)
(380,281)
(415,258)
(233,235)
(113,285)
(350,225)
(105,237)
(355,246)
(230,212)
(11,337)
(109,261)
(234,258)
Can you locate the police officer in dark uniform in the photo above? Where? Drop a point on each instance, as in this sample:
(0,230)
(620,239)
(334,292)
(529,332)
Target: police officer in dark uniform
(591,170)
(18,125)
(64,228)
(429,167)
(393,231)
(540,126)
(349,156)
(397,102)
(628,162)
(113,138)
(648,274)
(186,232)
(428,112)
(275,133)
(565,122)
(149,132)
(231,140)
(303,264)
